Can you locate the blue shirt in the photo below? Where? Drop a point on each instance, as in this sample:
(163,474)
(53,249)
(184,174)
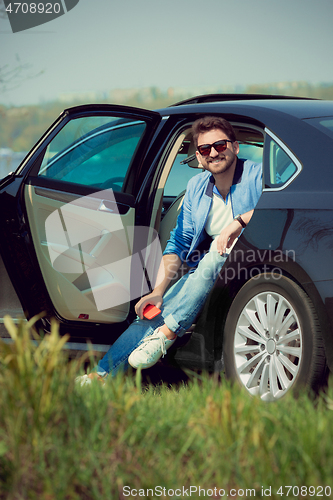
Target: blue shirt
(190,232)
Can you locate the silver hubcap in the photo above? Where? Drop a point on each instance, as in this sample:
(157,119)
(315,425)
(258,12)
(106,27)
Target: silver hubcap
(268,346)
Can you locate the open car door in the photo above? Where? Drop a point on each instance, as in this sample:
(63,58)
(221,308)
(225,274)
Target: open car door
(74,201)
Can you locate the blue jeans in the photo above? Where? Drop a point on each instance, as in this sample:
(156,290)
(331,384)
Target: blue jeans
(181,304)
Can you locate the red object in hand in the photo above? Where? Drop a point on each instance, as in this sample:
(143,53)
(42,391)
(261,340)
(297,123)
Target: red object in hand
(151,311)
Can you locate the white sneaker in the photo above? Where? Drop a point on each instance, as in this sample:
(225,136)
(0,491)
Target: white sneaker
(150,351)
(83,380)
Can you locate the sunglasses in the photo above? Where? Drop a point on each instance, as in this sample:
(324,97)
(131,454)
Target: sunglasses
(219,146)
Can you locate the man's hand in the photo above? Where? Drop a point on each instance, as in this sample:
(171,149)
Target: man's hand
(153,298)
(169,266)
(228,236)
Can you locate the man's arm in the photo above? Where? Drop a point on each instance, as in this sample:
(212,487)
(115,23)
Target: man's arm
(169,266)
(231,232)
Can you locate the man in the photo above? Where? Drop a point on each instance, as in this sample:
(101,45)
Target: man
(218,204)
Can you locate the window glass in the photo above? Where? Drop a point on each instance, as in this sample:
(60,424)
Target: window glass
(280,165)
(251,152)
(93,151)
(179,176)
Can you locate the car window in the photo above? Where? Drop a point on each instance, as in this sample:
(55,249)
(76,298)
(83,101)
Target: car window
(279,165)
(93,151)
(179,175)
(251,152)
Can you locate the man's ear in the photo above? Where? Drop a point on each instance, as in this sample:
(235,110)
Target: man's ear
(199,159)
(236,147)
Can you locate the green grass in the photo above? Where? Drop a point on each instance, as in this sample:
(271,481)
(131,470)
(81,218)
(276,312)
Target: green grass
(58,441)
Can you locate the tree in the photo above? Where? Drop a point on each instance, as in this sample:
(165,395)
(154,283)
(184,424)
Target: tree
(11,78)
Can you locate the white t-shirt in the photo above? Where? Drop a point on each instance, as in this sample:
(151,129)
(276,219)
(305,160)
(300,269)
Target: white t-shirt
(220,216)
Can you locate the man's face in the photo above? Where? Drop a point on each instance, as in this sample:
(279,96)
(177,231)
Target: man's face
(217,163)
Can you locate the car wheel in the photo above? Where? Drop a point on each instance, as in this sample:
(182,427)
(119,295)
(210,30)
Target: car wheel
(272,339)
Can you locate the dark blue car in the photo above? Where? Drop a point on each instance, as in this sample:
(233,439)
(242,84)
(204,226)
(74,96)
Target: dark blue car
(70,213)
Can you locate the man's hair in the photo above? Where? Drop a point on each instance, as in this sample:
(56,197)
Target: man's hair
(208,123)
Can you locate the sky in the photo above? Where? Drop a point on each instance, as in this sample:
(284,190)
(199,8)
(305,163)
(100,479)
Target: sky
(102,45)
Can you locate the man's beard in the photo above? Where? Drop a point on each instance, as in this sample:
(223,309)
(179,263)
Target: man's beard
(227,163)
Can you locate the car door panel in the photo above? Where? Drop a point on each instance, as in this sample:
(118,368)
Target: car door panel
(96,234)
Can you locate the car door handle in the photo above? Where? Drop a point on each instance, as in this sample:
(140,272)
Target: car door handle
(104,208)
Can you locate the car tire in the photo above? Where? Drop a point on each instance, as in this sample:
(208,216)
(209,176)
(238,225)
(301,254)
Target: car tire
(272,339)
